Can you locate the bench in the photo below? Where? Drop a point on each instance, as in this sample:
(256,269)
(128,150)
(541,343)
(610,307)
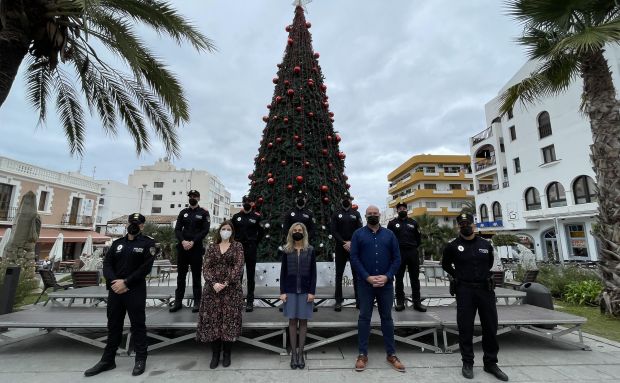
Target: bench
(529,276)
(49,282)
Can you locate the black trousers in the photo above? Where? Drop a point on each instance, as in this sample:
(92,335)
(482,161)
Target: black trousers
(133,302)
(249,255)
(408,260)
(186,259)
(468,301)
(342,257)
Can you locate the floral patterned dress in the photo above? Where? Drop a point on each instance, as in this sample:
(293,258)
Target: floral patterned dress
(220,313)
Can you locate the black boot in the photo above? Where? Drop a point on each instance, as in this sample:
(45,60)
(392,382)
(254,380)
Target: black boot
(301,363)
(468,371)
(417,306)
(249,304)
(293,360)
(338,307)
(99,368)
(495,371)
(227,351)
(400,304)
(216,346)
(138,368)
(178,304)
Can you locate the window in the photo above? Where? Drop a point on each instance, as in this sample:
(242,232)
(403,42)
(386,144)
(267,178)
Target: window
(505,172)
(172,206)
(174,180)
(555,195)
(532,199)
(455,186)
(509,113)
(179,205)
(484,213)
(186,205)
(513,133)
(158,185)
(471,186)
(544,125)
(431,204)
(155,210)
(517,163)
(430,186)
(174,193)
(157,197)
(502,148)
(497,211)
(430,169)
(43,200)
(101,201)
(577,243)
(584,190)
(548,153)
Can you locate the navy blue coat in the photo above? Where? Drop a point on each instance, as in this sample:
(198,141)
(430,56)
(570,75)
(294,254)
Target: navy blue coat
(298,273)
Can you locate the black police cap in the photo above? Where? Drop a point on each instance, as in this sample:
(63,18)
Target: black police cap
(246,199)
(136,217)
(401,204)
(193,193)
(465,217)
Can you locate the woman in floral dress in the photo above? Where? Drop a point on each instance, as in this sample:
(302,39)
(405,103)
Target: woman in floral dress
(219,317)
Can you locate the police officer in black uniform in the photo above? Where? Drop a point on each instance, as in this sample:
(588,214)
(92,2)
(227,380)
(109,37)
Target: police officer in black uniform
(248,231)
(299,214)
(191,228)
(343,223)
(408,234)
(125,267)
(468,259)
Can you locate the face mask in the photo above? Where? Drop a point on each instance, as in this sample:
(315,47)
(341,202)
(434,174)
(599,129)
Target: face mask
(301,202)
(298,236)
(133,229)
(466,231)
(225,234)
(346,204)
(372,220)
(402,214)
(193,202)
(247,206)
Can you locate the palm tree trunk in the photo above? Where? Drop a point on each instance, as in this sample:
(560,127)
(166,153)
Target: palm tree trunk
(13,48)
(602,108)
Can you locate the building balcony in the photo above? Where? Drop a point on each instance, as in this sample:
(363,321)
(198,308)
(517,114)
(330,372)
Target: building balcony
(478,138)
(85,221)
(484,164)
(487,188)
(505,184)
(490,224)
(433,194)
(435,211)
(7,214)
(584,209)
(422,176)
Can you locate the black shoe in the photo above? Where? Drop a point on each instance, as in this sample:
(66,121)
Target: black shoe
(468,371)
(176,307)
(216,347)
(417,306)
(138,368)
(301,363)
(249,306)
(495,371)
(338,307)
(99,368)
(400,305)
(195,309)
(227,351)
(293,360)
(315,309)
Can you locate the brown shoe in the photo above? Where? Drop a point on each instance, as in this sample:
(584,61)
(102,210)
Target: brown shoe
(394,362)
(360,363)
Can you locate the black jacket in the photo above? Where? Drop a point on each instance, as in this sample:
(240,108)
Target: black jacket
(468,261)
(344,223)
(302,215)
(129,260)
(298,273)
(407,232)
(193,225)
(247,226)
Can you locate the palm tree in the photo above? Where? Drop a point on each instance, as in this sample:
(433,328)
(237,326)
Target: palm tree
(469,207)
(567,38)
(74,33)
(434,236)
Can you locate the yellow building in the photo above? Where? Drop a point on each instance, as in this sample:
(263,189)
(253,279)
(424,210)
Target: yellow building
(437,185)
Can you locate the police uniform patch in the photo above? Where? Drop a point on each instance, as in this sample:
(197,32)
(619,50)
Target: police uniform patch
(410,225)
(138,250)
(292,214)
(119,248)
(397,225)
(353,216)
(198,217)
(306,216)
(339,215)
(185,215)
(252,220)
(239,219)
(461,248)
(153,250)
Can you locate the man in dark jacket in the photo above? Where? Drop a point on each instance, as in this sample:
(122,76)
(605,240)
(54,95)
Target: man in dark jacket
(125,267)
(191,228)
(300,213)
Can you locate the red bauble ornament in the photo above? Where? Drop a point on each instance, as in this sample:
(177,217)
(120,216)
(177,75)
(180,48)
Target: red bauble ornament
(297,69)
(268,106)
(307,164)
(275,80)
(299,145)
(269,175)
(270,145)
(308,25)
(310,114)
(324,188)
(326,105)
(289,187)
(341,155)
(253,182)
(299,179)
(354,206)
(262,159)
(325,200)
(278,139)
(290,41)
(250,176)
(274,117)
(329,137)
(299,109)
(285,119)
(290,92)
(314,69)
(316,55)
(338,138)
(324,151)
(288,28)
(296,138)
(271,181)
(348,186)
(278,98)
(323,87)
(310,82)
(266,118)
(283,162)
(287,83)
(332,120)
(330,165)
(260,200)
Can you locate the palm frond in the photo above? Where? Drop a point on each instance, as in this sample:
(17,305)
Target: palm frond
(70,112)
(38,83)
(589,40)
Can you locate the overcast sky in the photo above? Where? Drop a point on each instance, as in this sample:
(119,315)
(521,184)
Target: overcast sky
(404,77)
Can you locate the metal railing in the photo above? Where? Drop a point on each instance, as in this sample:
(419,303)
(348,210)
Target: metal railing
(544,130)
(7,213)
(488,132)
(505,184)
(485,163)
(487,188)
(76,220)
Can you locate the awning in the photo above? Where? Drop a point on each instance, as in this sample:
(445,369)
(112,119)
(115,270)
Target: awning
(48,235)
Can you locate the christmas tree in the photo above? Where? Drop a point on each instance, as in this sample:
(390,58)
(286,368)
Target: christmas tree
(299,150)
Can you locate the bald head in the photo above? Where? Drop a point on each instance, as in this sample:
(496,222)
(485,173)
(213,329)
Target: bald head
(372,217)
(372,209)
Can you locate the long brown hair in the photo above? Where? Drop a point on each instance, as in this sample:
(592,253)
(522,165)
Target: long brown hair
(290,242)
(218,238)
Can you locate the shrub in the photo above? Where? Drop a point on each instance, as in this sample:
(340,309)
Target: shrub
(504,239)
(557,277)
(584,292)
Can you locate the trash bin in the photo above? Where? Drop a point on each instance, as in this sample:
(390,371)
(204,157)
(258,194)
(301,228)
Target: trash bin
(7,294)
(537,295)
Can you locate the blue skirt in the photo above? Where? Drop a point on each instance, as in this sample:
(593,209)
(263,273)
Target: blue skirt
(297,306)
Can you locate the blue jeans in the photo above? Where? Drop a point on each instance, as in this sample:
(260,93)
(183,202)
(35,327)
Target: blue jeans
(366,295)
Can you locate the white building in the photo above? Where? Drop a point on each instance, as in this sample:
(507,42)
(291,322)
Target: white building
(118,199)
(169,186)
(533,175)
